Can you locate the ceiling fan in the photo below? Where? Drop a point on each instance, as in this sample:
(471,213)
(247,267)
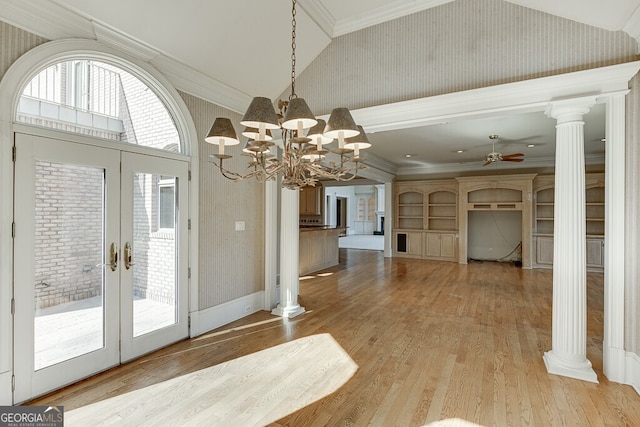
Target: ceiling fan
(494,156)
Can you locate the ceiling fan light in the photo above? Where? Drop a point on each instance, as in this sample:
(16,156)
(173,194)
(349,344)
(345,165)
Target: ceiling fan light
(260,111)
(298,111)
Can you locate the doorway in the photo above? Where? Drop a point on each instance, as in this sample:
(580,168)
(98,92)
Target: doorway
(100,259)
(341,214)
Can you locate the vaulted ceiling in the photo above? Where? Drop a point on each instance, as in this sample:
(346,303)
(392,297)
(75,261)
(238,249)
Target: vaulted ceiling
(219,45)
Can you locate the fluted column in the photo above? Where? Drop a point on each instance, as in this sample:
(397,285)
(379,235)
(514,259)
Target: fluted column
(614,231)
(289,255)
(568,354)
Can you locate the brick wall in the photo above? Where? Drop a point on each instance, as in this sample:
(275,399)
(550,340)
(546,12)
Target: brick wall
(68,233)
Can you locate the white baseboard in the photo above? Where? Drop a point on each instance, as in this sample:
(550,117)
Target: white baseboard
(6,396)
(632,371)
(205,320)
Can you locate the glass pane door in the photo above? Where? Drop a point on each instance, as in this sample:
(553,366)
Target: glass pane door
(154,238)
(154,245)
(68,255)
(67,227)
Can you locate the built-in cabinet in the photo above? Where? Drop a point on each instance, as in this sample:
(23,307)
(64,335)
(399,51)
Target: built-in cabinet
(426,220)
(431,217)
(311,200)
(594,226)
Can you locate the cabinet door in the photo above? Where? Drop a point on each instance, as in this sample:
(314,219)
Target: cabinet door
(408,243)
(595,252)
(544,250)
(448,245)
(432,245)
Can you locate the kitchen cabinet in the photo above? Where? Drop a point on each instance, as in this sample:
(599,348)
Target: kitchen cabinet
(311,200)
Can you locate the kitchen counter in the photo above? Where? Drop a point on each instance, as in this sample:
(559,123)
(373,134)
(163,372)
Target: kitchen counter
(318,247)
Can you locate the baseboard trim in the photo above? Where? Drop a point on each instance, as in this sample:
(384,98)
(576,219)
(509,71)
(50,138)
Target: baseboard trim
(205,320)
(632,370)
(6,396)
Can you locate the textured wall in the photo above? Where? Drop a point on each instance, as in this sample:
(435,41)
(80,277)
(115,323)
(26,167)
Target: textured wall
(231,262)
(632,269)
(14,42)
(458,46)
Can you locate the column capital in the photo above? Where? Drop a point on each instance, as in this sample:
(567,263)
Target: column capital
(570,110)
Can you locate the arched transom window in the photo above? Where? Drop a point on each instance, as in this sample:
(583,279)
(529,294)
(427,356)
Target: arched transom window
(98,99)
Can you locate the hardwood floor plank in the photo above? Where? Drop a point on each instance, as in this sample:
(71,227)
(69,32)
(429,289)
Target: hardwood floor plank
(432,340)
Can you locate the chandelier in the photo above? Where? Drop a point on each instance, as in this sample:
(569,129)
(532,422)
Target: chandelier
(303,160)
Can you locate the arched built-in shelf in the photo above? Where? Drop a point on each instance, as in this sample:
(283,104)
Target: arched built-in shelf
(495,193)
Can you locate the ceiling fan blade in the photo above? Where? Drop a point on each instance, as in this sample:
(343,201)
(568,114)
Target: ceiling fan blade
(512,155)
(512,160)
(488,162)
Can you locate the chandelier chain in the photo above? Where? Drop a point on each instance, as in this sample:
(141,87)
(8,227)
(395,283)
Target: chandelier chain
(293,50)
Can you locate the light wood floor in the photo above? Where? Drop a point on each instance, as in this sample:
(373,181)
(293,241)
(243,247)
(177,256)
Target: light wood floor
(432,340)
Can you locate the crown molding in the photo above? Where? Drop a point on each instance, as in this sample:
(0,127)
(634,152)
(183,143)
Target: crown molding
(393,10)
(202,86)
(46,19)
(632,27)
(524,96)
(320,15)
(535,163)
(112,37)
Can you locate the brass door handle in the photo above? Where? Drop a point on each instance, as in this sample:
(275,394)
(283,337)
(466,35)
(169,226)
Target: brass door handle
(113,256)
(128,256)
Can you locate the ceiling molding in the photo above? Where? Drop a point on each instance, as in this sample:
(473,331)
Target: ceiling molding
(539,162)
(525,96)
(320,15)
(632,27)
(46,19)
(121,41)
(393,10)
(199,85)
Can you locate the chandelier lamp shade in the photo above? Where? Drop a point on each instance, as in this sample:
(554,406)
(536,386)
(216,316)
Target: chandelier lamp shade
(303,159)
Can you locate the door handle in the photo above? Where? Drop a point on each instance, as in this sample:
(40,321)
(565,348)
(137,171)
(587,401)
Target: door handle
(113,256)
(128,256)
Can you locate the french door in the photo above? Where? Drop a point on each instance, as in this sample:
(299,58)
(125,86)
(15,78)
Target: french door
(100,259)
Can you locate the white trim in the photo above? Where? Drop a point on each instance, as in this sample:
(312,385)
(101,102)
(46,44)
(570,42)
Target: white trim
(320,15)
(16,77)
(46,19)
(270,244)
(203,321)
(393,10)
(632,369)
(632,27)
(614,239)
(525,96)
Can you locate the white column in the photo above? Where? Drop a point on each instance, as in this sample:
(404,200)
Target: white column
(289,255)
(568,354)
(270,243)
(388,219)
(614,232)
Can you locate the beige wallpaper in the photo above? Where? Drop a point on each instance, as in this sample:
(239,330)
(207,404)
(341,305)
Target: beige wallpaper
(14,42)
(231,262)
(458,46)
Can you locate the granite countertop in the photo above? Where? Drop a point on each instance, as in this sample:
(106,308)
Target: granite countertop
(316,227)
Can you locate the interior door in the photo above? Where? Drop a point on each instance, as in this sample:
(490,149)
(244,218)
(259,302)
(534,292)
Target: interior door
(154,274)
(66,277)
(100,254)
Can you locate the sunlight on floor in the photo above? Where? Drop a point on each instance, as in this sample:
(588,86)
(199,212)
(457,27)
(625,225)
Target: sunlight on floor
(251,390)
